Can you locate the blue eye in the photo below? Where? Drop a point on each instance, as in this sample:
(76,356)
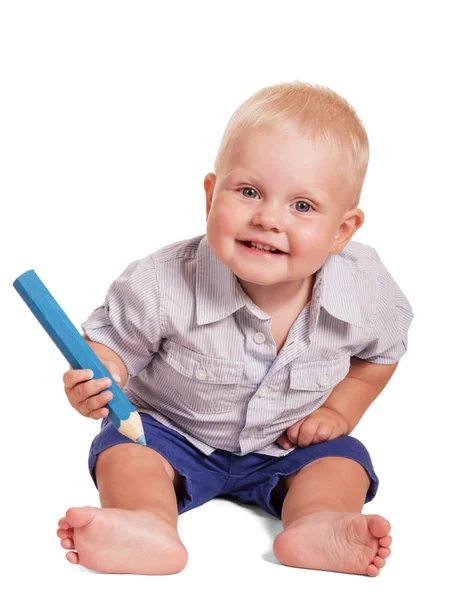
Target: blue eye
(306,205)
(248,188)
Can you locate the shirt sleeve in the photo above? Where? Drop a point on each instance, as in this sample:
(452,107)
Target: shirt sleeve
(129,320)
(388,339)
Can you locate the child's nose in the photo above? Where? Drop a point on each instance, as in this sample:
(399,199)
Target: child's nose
(269,217)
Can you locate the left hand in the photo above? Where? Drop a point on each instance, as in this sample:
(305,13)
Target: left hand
(321,425)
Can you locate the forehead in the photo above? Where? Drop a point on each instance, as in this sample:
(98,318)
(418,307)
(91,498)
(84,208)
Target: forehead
(290,158)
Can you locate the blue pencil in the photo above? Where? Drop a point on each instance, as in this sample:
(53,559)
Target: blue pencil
(76,351)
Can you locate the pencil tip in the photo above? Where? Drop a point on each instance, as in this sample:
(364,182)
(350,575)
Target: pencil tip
(141,440)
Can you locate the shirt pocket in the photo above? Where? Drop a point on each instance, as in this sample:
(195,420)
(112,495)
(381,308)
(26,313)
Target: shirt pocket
(205,384)
(311,383)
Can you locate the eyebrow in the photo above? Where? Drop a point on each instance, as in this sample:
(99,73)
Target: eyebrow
(317,196)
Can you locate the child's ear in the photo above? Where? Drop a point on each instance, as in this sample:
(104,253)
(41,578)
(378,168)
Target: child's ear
(208,185)
(351,222)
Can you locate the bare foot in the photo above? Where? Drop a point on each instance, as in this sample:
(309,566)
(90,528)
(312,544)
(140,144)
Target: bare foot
(111,540)
(333,541)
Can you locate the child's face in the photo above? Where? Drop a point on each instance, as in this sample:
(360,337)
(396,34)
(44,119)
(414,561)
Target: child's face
(281,190)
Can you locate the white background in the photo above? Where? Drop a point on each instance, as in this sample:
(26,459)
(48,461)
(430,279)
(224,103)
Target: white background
(111,115)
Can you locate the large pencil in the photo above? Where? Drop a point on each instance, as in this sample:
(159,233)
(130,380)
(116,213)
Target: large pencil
(76,351)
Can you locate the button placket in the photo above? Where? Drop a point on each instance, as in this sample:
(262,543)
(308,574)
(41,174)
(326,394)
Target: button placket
(259,337)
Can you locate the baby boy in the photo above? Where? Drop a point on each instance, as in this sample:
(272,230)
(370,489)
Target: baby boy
(251,353)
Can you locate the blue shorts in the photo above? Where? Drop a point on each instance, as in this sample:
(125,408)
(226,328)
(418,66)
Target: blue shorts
(248,479)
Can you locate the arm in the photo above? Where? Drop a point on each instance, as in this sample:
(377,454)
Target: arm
(106,354)
(353,395)
(344,407)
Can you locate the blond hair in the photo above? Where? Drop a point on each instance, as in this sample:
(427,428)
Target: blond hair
(312,110)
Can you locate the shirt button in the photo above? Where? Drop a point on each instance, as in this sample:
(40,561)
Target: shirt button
(201,374)
(263,391)
(324,379)
(259,337)
(252,431)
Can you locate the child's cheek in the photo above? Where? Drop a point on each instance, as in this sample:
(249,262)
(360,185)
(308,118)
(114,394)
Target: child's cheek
(313,243)
(309,238)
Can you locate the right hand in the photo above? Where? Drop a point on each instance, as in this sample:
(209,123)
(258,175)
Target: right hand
(85,393)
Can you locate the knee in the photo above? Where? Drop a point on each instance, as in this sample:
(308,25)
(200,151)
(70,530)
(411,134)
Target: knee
(127,454)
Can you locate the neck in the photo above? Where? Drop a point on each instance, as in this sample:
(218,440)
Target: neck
(279,296)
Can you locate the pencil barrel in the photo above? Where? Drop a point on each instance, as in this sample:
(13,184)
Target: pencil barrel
(76,350)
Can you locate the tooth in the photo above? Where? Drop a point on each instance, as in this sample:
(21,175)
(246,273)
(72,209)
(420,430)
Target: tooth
(262,247)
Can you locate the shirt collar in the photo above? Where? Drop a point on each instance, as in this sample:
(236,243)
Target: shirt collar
(219,294)
(338,291)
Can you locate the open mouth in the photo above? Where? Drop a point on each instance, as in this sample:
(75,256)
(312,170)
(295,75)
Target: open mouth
(249,245)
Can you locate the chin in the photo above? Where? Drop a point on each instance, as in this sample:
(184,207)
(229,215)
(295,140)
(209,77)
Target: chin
(251,276)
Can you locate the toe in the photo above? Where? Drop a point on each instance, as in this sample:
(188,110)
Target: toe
(79,517)
(73,558)
(378,526)
(63,523)
(384,552)
(386,541)
(67,544)
(379,562)
(65,533)
(372,570)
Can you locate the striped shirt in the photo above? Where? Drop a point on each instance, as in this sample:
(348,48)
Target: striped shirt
(201,358)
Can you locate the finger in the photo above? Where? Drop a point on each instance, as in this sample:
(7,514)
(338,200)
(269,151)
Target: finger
(90,388)
(293,431)
(113,370)
(284,441)
(307,433)
(75,376)
(323,433)
(99,413)
(95,402)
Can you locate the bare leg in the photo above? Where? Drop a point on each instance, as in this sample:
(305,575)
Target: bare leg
(323,525)
(135,531)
